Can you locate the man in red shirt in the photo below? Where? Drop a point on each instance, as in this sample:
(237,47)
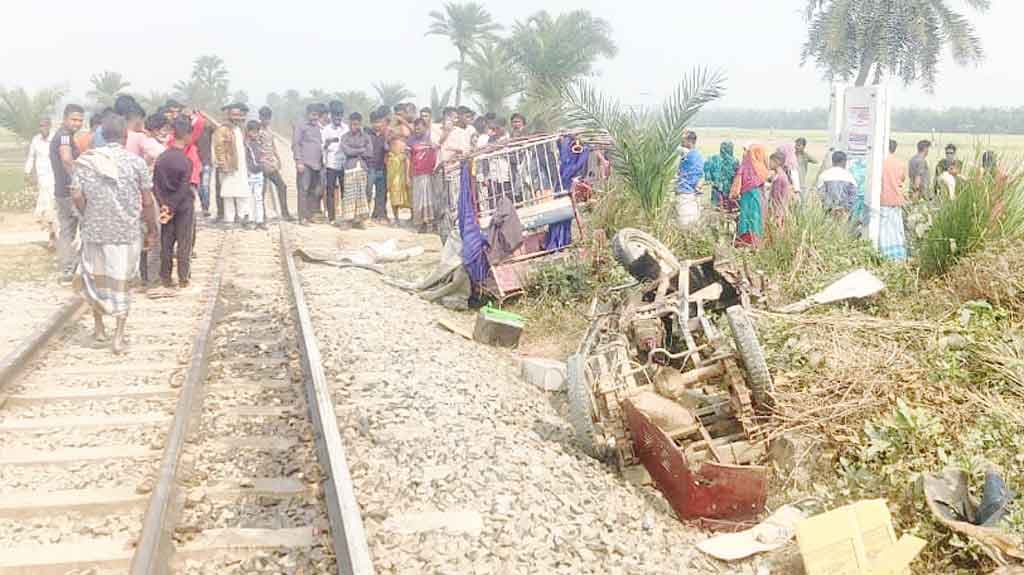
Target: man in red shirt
(891,235)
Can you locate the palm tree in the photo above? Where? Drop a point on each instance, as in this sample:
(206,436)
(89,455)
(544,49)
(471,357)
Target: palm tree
(870,38)
(438,102)
(490,76)
(465,24)
(357,101)
(645,141)
(207,88)
(106,86)
(153,101)
(555,51)
(20,111)
(391,93)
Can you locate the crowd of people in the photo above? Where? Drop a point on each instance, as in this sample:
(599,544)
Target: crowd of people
(119,197)
(760,188)
(350,172)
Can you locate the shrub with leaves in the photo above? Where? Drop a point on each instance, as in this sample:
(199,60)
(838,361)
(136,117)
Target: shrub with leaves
(645,142)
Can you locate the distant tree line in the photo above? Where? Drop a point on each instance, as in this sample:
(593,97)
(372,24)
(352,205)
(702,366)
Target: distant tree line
(951,120)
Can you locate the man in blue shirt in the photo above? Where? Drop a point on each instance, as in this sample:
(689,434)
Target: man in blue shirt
(691,170)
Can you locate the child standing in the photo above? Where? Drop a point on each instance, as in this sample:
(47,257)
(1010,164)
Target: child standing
(254,162)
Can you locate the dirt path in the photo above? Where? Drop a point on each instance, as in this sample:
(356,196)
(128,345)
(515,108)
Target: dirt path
(459,465)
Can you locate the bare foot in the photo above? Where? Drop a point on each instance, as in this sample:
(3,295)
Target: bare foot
(120,344)
(99,332)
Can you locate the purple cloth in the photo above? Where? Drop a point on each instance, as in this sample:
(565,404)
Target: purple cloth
(473,243)
(559,235)
(571,163)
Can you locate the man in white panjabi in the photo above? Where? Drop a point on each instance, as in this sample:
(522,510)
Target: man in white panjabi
(38,165)
(229,158)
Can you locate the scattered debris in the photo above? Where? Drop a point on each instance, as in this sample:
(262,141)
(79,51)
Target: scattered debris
(497,327)
(455,328)
(547,374)
(856,539)
(771,534)
(448,284)
(950,502)
(858,284)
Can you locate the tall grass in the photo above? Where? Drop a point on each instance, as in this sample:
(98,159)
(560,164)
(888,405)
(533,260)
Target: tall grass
(986,209)
(811,248)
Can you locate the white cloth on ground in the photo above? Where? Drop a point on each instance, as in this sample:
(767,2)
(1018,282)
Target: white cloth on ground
(687,209)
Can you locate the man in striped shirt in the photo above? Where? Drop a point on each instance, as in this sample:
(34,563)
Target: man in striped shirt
(272,164)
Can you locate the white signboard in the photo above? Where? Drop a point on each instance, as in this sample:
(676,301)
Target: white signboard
(865,139)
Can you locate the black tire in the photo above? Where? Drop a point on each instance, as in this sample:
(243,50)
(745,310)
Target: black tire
(629,247)
(581,407)
(759,379)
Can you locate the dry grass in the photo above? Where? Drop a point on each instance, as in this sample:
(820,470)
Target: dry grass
(993,275)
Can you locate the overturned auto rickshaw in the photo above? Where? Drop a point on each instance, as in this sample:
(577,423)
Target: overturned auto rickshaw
(543,179)
(655,382)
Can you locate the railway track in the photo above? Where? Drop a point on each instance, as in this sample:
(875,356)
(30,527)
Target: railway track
(211,447)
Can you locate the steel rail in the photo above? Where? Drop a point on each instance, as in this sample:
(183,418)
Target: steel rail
(14,362)
(347,533)
(155,546)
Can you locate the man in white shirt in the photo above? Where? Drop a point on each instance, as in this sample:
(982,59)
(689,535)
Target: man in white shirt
(38,165)
(334,161)
(456,140)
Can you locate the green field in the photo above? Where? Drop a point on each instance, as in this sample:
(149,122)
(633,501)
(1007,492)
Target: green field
(1010,148)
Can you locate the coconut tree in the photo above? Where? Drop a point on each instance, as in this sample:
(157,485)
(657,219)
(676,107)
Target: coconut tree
(490,75)
(106,86)
(391,93)
(867,39)
(645,141)
(465,24)
(20,111)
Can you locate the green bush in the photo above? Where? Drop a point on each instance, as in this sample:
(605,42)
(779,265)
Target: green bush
(985,210)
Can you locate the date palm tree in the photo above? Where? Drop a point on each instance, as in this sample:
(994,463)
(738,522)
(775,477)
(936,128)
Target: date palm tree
(438,102)
(391,93)
(20,111)
(490,75)
(555,51)
(465,24)
(106,86)
(207,88)
(645,141)
(867,39)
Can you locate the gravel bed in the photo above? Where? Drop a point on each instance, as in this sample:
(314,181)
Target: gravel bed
(77,476)
(461,467)
(290,426)
(68,528)
(45,440)
(251,512)
(314,561)
(39,382)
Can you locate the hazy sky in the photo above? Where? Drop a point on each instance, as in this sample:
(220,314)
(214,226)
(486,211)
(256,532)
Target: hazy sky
(348,44)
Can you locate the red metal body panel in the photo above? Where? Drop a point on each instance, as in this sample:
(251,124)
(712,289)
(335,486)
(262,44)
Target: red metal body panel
(715,491)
